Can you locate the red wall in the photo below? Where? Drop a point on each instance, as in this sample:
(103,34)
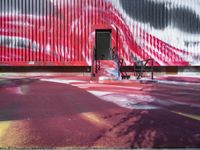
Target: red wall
(63,33)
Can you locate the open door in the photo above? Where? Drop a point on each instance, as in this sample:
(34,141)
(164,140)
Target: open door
(103,45)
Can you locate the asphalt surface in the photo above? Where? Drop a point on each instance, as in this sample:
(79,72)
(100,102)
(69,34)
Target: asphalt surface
(54,112)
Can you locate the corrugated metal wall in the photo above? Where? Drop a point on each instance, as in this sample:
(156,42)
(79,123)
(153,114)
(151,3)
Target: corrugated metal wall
(62,32)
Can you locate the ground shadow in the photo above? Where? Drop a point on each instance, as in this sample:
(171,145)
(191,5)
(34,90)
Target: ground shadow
(46,99)
(5,83)
(157,129)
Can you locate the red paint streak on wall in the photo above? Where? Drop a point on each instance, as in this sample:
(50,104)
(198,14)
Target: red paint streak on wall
(67,37)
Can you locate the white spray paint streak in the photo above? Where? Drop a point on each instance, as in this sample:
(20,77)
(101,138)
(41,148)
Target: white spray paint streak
(129,101)
(179,37)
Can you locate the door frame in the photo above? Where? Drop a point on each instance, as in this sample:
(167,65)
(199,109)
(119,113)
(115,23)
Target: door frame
(103,30)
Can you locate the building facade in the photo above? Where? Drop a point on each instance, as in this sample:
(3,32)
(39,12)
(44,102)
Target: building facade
(65,32)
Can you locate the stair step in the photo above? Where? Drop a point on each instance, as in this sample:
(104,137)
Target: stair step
(108,71)
(126,77)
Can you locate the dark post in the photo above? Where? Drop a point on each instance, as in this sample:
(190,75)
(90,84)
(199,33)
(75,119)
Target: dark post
(152,69)
(93,59)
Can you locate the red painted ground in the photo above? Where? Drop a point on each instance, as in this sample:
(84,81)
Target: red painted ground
(39,112)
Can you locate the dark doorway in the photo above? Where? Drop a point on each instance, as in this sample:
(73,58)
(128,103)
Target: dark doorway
(103,45)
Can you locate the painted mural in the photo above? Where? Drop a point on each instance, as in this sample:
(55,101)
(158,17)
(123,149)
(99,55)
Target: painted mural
(62,32)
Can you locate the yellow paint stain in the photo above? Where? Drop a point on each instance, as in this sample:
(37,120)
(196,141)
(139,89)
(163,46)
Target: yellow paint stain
(95,119)
(13,133)
(191,116)
(4,125)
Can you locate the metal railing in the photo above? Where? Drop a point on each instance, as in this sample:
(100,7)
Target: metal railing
(141,66)
(93,63)
(120,63)
(96,64)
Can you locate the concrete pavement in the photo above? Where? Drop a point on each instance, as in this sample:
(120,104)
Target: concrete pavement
(60,111)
